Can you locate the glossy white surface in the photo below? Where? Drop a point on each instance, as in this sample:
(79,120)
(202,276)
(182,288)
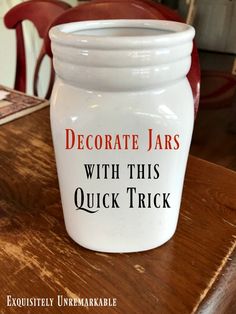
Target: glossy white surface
(123,85)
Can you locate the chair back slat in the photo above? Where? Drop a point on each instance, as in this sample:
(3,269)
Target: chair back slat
(41,13)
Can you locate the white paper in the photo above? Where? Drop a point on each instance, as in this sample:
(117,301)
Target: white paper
(3,94)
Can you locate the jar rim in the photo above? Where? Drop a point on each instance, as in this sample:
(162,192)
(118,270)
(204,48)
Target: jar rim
(178,33)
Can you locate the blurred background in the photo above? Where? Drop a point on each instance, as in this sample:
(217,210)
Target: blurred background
(214,136)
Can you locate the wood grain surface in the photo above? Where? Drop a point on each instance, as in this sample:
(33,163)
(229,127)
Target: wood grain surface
(193,273)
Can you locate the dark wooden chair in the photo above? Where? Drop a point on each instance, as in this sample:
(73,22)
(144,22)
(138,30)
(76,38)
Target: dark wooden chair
(41,13)
(129,9)
(218,90)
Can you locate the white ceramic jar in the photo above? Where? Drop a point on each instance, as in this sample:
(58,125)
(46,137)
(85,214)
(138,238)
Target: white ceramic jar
(122,117)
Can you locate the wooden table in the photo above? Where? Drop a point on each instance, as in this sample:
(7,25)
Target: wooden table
(195,272)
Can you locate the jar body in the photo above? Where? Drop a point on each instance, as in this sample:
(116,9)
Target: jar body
(122,117)
(132,204)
